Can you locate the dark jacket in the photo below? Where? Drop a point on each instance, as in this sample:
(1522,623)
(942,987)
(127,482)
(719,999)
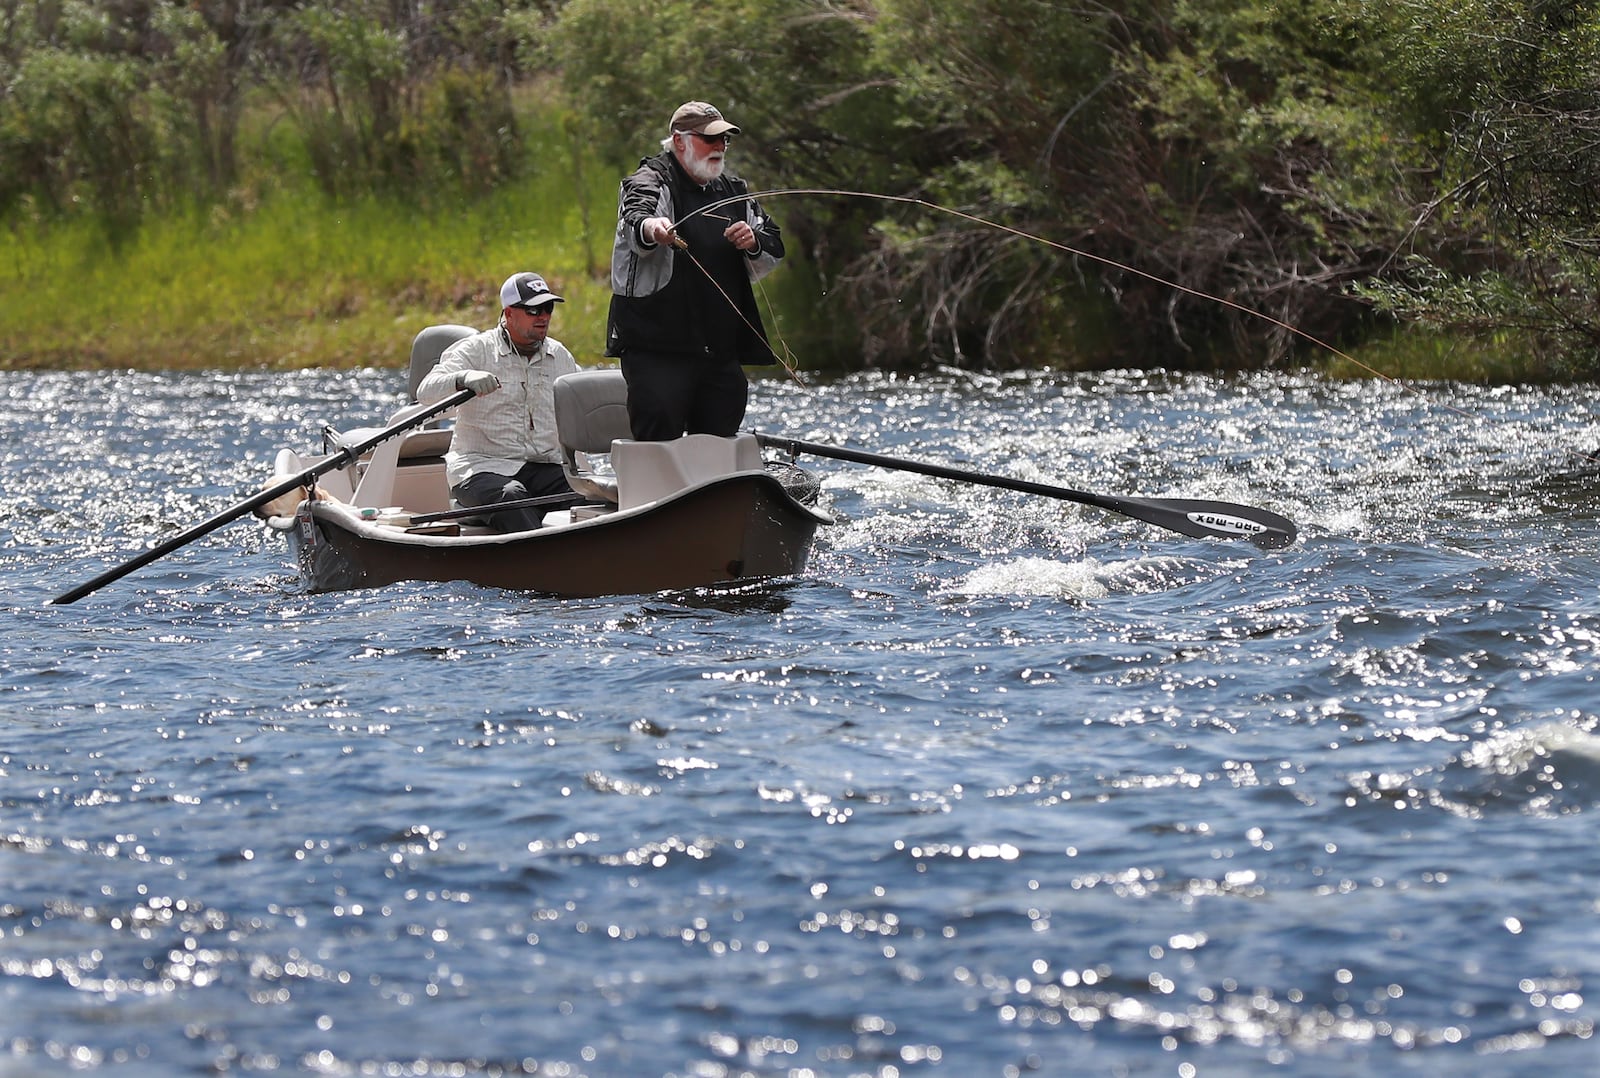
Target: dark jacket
(669,300)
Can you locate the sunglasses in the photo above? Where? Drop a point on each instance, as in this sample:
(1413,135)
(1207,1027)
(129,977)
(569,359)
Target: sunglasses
(723,139)
(543,308)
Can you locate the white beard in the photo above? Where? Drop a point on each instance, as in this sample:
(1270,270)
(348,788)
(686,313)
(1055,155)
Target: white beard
(703,172)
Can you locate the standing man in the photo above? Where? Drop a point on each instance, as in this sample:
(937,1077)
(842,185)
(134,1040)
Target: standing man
(683,316)
(504,447)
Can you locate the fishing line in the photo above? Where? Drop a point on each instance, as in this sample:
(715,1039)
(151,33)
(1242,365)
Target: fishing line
(1074,251)
(681,244)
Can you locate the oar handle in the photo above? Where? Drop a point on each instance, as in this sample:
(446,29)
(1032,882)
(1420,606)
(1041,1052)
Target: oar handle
(327,464)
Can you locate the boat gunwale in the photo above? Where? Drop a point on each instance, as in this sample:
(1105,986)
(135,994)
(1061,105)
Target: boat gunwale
(344,515)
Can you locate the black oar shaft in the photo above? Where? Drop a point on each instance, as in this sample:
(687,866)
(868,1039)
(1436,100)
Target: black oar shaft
(497,507)
(1195,517)
(939,471)
(322,467)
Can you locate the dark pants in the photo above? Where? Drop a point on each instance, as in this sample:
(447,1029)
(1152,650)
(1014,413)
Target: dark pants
(531,481)
(670,395)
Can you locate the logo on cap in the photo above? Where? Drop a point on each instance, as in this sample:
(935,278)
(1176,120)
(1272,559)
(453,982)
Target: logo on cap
(702,117)
(522,289)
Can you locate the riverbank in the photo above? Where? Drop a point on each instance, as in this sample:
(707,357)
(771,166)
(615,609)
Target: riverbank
(285,279)
(299,284)
(295,281)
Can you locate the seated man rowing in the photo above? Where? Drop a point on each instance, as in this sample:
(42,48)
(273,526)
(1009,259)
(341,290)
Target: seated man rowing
(504,448)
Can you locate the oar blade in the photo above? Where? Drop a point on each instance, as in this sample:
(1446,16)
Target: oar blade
(1197,517)
(1203,518)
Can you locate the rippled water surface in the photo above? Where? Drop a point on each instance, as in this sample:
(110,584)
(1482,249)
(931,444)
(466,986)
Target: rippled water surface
(1003,785)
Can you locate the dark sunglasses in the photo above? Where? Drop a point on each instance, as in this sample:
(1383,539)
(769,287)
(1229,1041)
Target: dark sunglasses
(723,139)
(543,308)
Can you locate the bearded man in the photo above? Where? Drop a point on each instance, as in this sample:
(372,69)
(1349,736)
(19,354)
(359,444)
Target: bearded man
(683,316)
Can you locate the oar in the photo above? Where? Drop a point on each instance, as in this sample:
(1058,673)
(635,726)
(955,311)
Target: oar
(1198,517)
(343,457)
(497,507)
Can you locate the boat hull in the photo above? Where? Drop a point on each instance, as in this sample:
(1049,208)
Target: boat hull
(736,527)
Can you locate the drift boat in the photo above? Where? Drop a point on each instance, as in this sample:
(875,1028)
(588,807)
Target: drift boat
(646,516)
(697,511)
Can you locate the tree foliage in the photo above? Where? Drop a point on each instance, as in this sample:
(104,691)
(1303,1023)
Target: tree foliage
(1070,184)
(1511,89)
(122,107)
(1268,172)
(977,182)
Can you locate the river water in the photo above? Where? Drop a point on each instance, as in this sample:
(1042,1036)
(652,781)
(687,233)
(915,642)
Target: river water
(1003,786)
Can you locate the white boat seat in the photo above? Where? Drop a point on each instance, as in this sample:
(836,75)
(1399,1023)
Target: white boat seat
(591,414)
(401,471)
(418,446)
(426,443)
(648,471)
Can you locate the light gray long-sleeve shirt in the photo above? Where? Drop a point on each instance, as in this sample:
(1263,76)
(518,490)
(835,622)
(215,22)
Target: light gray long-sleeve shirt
(516,424)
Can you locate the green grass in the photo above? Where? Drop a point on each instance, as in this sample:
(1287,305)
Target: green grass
(297,281)
(1422,355)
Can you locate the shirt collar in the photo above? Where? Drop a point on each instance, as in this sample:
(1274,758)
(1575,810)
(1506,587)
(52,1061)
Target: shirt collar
(510,348)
